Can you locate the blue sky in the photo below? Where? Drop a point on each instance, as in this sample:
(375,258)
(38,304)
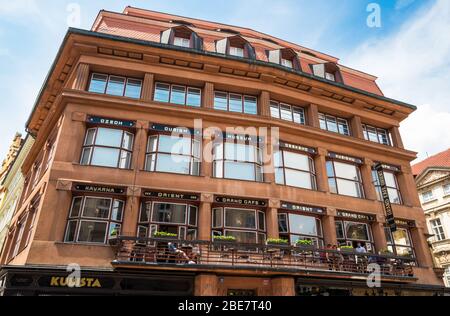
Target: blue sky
(410,52)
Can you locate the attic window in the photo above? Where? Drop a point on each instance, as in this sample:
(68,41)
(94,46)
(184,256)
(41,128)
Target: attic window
(182,36)
(286,57)
(329,71)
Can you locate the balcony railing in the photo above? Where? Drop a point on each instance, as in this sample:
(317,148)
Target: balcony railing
(202,254)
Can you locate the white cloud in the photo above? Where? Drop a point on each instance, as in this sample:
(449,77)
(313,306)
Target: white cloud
(413,66)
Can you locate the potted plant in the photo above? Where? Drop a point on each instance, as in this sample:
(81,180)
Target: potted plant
(165,235)
(347,249)
(224,239)
(279,242)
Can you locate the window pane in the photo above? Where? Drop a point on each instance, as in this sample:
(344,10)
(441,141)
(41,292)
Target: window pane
(261,221)
(220,101)
(343,127)
(286,62)
(240,218)
(333,186)
(390,179)
(298,179)
(195,167)
(331,124)
(404,251)
(145,213)
(217,218)
(299,116)
(117,211)
(76,206)
(86,156)
(296,161)
(236,51)
(303,225)
(235,103)
(183,42)
(125,160)
(128,141)
(71,231)
(109,137)
(394,196)
(286,113)
(401,237)
(282,223)
(218,169)
(346,171)
(194,97)
(173,164)
(114,230)
(192,216)
(279,176)
(162,92)
(274,110)
(105,157)
(340,230)
(93,232)
(169,213)
(178,95)
(98,83)
(90,136)
(250,105)
(330,169)
(133,89)
(150,162)
(96,208)
(116,86)
(357,231)
(240,171)
(383,136)
(372,134)
(322,120)
(349,188)
(175,145)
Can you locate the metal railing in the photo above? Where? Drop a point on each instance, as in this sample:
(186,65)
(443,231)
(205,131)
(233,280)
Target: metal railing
(157,251)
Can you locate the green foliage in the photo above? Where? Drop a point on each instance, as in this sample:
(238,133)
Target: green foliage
(273,241)
(224,238)
(165,235)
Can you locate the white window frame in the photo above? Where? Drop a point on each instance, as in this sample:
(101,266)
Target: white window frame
(181,42)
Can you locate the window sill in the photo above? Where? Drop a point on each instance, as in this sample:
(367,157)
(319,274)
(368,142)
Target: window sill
(246,181)
(429,202)
(60,243)
(171,173)
(104,167)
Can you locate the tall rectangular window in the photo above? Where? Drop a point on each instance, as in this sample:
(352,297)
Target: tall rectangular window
(392,185)
(234,102)
(177,94)
(106,147)
(287,112)
(115,85)
(334,124)
(438,229)
(345,179)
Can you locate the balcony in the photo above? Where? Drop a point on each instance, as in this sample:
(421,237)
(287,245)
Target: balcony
(152,253)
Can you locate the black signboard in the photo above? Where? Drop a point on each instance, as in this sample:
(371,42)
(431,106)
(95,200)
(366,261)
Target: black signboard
(175,129)
(171,195)
(308,150)
(385,197)
(240,201)
(92,188)
(391,168)
(90,282)
(302,208)
(356,216)
(345,158)
(110,121)
(21,280)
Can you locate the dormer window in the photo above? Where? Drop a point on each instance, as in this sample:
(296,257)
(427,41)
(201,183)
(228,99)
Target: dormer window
(328,71)
(236,46)
(182,36)
(285,57)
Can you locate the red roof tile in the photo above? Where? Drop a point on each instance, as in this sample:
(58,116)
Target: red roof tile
(440,160)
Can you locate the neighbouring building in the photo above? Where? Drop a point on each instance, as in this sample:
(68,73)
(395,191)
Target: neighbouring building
(433,184)
(12,186)
(140,175)
(8,161)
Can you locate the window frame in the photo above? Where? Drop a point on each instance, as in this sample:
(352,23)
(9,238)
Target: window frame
(336,178)
(319,238)
(223,161)
(427,198)
(243,97)
(377,185)
(187,89)
(379,133)
(393,245)
(311,172)
(346,240)
(276,106)
(122,149)
(108,78)
(80,218)
(438,229)
(155,154)
(325,118)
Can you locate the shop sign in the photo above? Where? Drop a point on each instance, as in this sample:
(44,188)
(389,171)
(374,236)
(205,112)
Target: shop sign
(305,149)
(385,198)
(345,158)
(171,195)
(110,121)
(302,208)
(240,201)
(174,129)
(99,189)
(356,216)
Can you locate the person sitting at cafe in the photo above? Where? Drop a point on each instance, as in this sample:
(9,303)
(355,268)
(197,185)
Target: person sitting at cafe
(179,253)
(360,248)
